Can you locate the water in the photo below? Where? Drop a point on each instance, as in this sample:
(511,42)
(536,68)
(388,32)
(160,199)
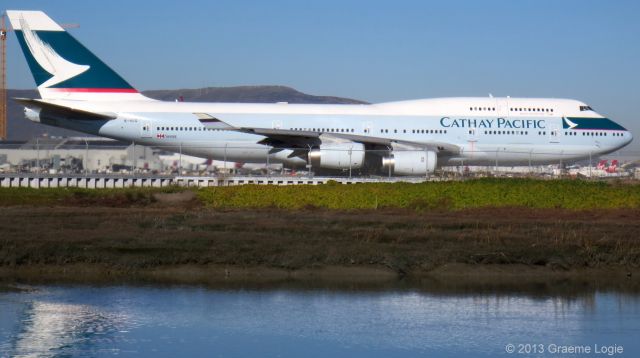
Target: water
(192,321)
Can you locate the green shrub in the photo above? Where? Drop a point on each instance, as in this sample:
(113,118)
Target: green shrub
(454,195)
(566,194)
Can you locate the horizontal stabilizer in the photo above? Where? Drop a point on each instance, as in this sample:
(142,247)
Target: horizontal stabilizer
(64,111)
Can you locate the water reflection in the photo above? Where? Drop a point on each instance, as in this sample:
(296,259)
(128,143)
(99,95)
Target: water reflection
(80,321)
(54,328)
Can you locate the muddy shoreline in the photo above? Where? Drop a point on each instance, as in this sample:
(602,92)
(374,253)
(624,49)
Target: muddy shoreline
(448,280)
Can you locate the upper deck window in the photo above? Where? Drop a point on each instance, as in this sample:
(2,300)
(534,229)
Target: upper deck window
(585,108)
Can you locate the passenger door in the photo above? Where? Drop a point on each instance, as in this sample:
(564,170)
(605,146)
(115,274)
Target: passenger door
(367,128)
(472,134)
(502,107)
(145,129)
(554,133)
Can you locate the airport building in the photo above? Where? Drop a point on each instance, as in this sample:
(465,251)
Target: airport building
(76,155)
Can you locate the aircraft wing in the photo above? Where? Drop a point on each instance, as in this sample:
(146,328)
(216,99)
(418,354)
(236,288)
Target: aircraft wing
(63,111)
(290,139)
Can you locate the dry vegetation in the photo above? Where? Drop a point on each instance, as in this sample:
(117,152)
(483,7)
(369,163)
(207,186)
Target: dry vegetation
(401,240)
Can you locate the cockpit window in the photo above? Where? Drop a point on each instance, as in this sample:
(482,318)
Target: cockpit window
(585,108)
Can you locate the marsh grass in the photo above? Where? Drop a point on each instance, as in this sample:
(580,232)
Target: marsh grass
(401,239)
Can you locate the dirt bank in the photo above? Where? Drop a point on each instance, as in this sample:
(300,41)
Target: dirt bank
(180,241)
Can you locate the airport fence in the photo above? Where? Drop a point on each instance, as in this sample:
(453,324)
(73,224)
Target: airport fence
(95,156)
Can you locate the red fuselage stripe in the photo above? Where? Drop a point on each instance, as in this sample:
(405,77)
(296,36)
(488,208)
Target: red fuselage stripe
(96,90)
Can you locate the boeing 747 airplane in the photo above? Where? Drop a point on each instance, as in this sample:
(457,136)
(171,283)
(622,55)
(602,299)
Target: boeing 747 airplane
(414,137)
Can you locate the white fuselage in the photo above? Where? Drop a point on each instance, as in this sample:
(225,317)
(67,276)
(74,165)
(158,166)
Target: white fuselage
(508,130)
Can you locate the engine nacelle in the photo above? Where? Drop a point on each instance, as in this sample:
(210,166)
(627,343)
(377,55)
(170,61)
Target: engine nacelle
(411,162)
(338,155)
(32,114)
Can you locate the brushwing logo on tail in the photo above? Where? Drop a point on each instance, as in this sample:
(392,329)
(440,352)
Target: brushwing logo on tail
(49,59)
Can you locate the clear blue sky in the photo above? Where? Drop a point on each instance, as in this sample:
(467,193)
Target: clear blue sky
(370,50)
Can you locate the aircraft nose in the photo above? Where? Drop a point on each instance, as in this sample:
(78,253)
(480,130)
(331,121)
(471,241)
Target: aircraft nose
(629,138)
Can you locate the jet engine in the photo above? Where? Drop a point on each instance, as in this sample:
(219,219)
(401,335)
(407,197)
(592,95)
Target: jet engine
(411,162)
(340,155)
(32,114)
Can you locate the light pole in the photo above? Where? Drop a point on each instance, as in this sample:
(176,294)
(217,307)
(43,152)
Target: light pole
(86,157)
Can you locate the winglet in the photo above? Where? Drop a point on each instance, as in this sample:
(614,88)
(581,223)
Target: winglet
(210,121)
